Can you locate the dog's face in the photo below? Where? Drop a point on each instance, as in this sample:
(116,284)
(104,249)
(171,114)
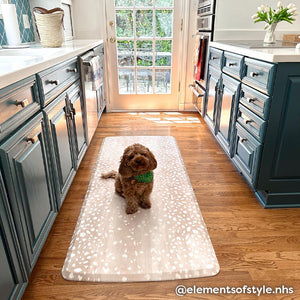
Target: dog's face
(136,159)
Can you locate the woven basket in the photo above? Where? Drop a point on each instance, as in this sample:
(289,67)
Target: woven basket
(50,28)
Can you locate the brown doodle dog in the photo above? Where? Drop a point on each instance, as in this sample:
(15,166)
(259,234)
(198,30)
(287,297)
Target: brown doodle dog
(134,181)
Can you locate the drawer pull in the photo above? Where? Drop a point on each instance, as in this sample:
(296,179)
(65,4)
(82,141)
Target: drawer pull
(32,139)
(249,121)
(214,58)
(70,115)
(74,70)
(244,140)
(231,64)
(56,82)
(253,74)
(22,103)
(251,100)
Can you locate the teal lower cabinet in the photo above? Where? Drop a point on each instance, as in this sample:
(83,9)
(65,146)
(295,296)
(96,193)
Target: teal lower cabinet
(58,116)
(74,104)
(25,162)
(211,100)
(253,113)
(278,182)
(13,278)
(226,113)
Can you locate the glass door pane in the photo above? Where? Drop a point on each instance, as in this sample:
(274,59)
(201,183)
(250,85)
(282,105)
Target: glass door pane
(144,39)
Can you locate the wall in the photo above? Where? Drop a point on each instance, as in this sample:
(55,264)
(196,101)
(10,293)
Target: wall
(27,35)
(233,20)
(89,19)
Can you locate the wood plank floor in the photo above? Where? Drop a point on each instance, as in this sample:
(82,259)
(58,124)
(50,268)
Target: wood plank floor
(254,246)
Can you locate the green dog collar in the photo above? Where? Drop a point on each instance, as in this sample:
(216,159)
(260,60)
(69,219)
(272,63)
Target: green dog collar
(145,178)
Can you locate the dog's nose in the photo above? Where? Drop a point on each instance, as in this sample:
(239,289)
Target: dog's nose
(138,161)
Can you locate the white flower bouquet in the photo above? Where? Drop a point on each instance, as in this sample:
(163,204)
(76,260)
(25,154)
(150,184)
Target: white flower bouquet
(271,16)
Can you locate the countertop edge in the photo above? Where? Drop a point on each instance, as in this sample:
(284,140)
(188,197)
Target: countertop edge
(274,55)
(22,73)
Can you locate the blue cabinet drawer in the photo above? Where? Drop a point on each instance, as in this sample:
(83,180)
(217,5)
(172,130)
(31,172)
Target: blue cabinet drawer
(18,102)
(233,64)
(259,74)
(56,79)
(215,58)
(254,124)
(246,154)
(255,101)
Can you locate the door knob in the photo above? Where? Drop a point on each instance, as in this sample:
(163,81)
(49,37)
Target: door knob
(112,39)
(111,23)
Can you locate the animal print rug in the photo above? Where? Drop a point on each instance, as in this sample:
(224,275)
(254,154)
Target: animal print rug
(168,241)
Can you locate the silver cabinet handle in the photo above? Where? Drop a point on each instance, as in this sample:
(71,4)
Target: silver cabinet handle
(56,82)
(74,70)
(231,64)
(32,139)
(23,103)
(249,121)
(251,100)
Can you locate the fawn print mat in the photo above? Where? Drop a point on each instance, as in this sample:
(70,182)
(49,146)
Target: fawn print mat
(168,241)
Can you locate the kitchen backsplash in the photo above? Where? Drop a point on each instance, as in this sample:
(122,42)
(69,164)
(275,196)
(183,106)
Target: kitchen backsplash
(27,35)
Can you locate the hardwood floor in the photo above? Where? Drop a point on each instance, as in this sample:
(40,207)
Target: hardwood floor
(254,246)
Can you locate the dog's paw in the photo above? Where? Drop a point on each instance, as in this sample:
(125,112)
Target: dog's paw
(130,209)
(145,204)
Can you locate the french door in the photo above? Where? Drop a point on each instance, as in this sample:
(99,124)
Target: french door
(143,54)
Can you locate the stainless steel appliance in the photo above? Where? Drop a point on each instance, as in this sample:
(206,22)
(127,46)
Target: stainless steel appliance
(203,35)
(93,100)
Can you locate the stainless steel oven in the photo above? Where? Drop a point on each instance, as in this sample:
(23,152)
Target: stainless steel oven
(203,35)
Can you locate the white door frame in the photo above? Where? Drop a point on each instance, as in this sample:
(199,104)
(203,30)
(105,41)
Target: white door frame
(179,90)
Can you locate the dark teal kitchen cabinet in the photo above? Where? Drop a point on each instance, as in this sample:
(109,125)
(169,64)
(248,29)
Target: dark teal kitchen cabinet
(25,162)
(211,99)
(226,112)
(75,108)
(57,116)
(13,277)
(253,109)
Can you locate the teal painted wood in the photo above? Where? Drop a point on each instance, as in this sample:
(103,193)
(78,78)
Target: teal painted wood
(233,64)
(59,133)
(259,74)
(75,107)
(226,112)
(18,102)
(280,164)
(55,80)
(215,58)
(13,278)
(211,96)
(246,154)
(250,121)
(255,101)
(26,173)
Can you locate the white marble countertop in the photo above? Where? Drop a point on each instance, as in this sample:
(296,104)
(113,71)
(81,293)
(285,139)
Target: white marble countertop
(266,54)
(17,64)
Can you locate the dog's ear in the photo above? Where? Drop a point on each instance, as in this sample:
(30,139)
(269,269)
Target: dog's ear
(124,169)
(152,160)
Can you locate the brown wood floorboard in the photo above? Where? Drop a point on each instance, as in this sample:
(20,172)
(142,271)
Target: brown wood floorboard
(254,246)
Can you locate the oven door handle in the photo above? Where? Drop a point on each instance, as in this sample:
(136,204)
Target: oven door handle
(195,92)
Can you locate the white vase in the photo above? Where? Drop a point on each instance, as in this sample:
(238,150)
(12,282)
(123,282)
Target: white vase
(270,34)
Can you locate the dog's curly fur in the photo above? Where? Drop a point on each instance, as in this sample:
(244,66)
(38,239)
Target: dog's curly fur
(136,160)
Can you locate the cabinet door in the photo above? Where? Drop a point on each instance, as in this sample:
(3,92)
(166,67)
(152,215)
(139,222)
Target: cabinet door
(76,119)
(226,115)
(26,172)
(12,275)
(211,97)
(58,128)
